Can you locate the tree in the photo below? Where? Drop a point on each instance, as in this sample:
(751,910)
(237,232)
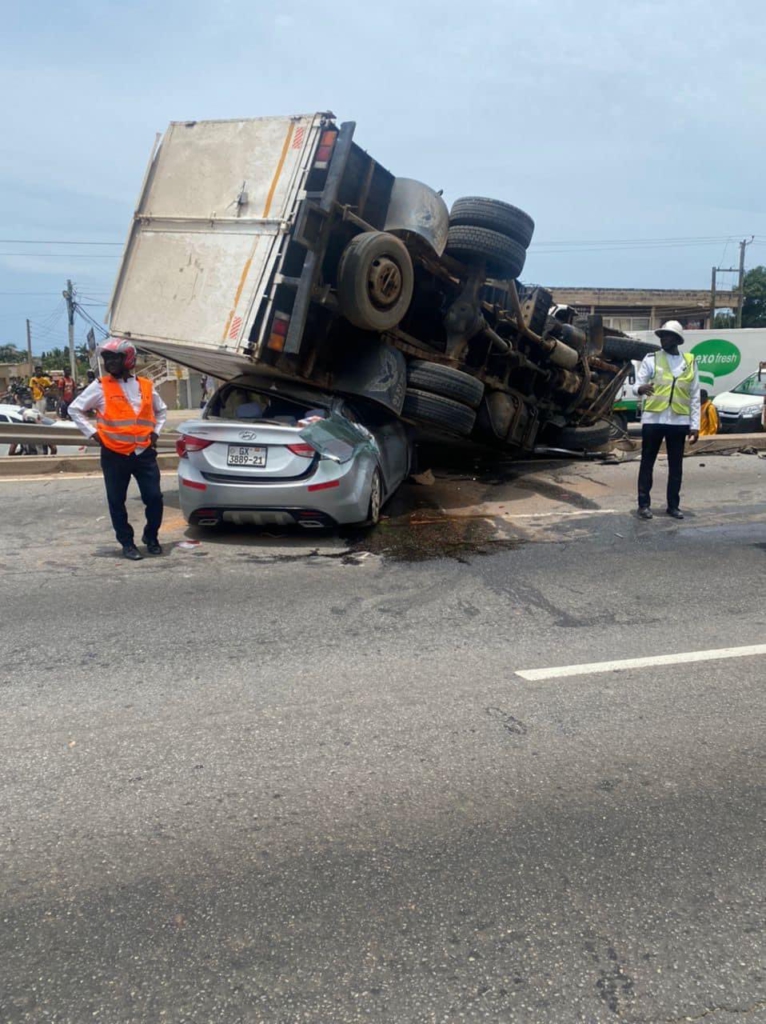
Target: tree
(11,354)
(754,306)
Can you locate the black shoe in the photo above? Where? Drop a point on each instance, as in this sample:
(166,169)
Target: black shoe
(153,547)
(131,551)
(676,513)
(645,513)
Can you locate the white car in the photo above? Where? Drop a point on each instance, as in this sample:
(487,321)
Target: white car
(741,409)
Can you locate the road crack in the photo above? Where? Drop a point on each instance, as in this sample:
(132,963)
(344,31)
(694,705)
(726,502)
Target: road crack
(718,1009)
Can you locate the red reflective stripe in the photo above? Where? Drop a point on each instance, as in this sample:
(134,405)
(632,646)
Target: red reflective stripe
(194,484)
(324,487)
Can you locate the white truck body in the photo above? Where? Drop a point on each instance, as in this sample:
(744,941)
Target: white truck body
(724,359)
(212,214)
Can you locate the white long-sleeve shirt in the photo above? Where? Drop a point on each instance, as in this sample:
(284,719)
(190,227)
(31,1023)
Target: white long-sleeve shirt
(677,365)
(92,399)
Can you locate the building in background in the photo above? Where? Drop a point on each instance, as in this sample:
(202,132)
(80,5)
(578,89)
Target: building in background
(643,309)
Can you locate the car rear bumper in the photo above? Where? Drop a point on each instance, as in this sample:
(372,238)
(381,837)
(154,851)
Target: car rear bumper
(335,494)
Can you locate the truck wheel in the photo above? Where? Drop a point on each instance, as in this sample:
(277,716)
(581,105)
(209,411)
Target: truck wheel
(375,281)
(477,212)
(434,410)
(443,380)
(581,438)
(503,256)
(625,349)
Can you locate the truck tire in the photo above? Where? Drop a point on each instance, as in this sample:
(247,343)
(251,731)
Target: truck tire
(477,212)
(625,349)
(581,438)
(436,411)
(504,257)
(375,281)
(444,381)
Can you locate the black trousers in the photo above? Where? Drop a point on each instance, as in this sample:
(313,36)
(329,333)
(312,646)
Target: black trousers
(117,470)
(652,436)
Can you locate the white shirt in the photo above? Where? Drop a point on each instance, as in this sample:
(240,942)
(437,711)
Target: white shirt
(93,398)
(677,366)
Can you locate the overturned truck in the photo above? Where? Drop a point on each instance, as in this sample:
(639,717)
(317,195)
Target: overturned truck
(278,246)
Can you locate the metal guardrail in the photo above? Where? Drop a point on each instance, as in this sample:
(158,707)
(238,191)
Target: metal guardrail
(39,433)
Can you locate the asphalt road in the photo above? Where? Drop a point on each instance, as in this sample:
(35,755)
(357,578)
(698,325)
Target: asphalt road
(297,778)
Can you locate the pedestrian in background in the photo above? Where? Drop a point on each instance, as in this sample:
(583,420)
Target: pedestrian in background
(709,423)
(39,384)
(669,383)
(129,417)
(66,386)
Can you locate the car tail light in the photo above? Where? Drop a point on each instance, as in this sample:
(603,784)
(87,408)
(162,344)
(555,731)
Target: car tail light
(279,327)
(324,152)
(304,450)
(325,486)
(186,443)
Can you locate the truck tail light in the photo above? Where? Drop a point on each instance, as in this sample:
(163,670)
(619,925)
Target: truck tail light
(304,450)
(324,151)
(279,327)
(186,443)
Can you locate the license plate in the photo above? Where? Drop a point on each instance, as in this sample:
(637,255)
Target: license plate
(246,455)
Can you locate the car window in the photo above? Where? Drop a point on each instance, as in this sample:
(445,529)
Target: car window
(751,386)
(249,405)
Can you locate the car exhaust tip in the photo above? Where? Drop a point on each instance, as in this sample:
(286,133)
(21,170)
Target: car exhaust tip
(311,524)
(207,522)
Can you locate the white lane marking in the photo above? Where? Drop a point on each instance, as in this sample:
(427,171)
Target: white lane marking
(721,654)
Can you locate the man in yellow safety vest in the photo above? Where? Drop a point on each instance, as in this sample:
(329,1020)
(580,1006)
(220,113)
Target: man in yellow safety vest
(669,384)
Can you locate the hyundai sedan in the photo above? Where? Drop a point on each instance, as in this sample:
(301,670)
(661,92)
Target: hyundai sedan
(266,453)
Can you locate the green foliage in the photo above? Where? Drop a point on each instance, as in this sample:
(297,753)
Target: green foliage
(725,320)
(58,358)
(11,354)
(754,306)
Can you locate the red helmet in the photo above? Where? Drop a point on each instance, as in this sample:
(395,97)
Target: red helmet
(121,348)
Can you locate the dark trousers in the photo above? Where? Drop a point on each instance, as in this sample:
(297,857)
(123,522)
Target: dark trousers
(117,470)
(652,436)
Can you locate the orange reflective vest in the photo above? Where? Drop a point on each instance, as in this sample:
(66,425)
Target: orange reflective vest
(120,427)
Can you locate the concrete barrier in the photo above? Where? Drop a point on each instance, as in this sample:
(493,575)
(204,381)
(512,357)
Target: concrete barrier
(58,465)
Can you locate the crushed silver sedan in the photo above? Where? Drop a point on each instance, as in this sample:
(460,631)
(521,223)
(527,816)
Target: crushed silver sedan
(274,453)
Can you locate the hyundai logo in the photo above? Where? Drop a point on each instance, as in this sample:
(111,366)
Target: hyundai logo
(248,435)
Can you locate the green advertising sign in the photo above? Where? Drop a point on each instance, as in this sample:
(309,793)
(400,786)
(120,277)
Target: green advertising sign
(716,357)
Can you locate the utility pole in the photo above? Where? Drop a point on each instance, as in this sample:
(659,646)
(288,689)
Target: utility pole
(742,246)
(29,348)
(69,296)
(712,298)
(717,270)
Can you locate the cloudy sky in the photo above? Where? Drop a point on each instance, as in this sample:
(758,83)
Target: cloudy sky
(632,132)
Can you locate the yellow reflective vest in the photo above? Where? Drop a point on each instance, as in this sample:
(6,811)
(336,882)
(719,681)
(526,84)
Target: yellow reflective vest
(669,391)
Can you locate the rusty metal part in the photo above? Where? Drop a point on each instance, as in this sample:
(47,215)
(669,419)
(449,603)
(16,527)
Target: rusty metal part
(602,364)
(384,281)
(565,380)
(464,319)
(556,351)
(602,402)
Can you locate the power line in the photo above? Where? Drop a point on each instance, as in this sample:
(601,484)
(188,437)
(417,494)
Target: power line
(65,255)
(50,241)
